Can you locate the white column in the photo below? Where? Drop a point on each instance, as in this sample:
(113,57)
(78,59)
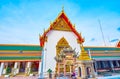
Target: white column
(39,67)
(96,66)
(5,66)
(117,63)
(28,68)
(112,66)
(29,64)
(16,67)
(1,68)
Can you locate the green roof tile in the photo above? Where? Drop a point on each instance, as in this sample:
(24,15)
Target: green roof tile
(19,57)
(102,48)
(106,57)
(17,47)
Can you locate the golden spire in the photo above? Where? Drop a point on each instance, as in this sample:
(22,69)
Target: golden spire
(83,55)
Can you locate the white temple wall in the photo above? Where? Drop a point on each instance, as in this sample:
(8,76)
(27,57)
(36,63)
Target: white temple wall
(50,46)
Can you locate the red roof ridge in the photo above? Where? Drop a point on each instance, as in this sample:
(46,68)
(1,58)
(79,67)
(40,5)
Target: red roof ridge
(72,27)
(118,44)
(19,45)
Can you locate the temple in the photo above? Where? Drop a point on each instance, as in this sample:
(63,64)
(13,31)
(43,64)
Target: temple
(23,59)
(63,52)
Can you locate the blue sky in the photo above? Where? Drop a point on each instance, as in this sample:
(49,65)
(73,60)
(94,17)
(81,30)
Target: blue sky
(21,21)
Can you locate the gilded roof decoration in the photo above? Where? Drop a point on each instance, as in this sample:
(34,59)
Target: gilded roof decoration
(61,44)
(118,44)
(61,23)
(83,54)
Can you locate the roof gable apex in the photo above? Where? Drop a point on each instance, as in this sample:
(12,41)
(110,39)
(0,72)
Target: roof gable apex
(69,27)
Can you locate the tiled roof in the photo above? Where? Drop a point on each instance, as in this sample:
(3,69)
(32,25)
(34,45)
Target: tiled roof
(19,52)
(20,47)
(102,48)
(104,53)
(19,57)
(99,58)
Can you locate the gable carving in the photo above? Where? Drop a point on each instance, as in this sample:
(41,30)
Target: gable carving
(61,24)
(61,44)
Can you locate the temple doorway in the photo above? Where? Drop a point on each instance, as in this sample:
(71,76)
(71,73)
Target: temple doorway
(9,66)
(35,66)
(22,66)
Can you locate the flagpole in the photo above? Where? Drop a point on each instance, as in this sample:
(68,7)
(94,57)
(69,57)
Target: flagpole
(101,32)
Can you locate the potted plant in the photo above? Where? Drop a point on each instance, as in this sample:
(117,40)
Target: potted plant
(7,72)
(50,73)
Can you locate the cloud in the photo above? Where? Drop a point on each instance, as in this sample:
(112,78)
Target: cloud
(92,39)
(118,29)
(22,21)
(114,40)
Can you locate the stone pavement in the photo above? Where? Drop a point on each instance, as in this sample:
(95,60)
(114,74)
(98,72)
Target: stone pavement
(32,77)
(20,77)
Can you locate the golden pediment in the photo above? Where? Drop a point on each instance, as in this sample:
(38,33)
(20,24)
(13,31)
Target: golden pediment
(61,24)
(61,44)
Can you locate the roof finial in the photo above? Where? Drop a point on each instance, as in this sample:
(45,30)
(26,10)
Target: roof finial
(50,22)
(62,8)
(39,35)
(74,25)
(44,31)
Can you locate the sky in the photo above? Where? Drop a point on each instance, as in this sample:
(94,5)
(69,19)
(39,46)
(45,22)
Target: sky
(21,21)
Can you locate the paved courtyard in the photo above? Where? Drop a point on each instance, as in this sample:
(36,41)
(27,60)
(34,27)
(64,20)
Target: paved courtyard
(20,77)
(32,77)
